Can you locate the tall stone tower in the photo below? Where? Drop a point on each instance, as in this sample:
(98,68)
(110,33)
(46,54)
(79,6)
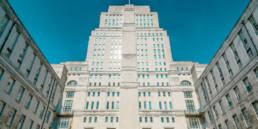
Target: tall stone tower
(129,80)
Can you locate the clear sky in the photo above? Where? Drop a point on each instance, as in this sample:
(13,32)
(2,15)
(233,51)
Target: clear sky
(61,28)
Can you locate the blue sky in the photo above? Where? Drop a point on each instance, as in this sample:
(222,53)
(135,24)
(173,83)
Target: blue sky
(61,28)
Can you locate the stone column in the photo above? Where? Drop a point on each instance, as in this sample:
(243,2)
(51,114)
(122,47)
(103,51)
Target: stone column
(128,89)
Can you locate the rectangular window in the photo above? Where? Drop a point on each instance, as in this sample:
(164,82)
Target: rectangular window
(11,118)
(254,24)
(221,106)
(21,122)
(1,73)
(87,105)
(97,105)
(227,124)
(42,112)
(210,117)
(48,116)
(194,123)
(170,105)
(228,65)
(36,107)
(22,55)
(188,94)
(247,84)
(160,105)
(219,126)
(68,105)
(145,105)
(214,80)
(237,93)
(113,105)
(245,116)
(215,111)
(117,119)
(255,107)
(106,119)
(162,119)
(28,101)
(92,105)
(31,124)
(95,119)
(10,86)
(107,105)
(237,122)
(238,61)
(255,72)
(247,45)
(64,123)
(90,119)
(69,94)
(229,100)
(220,73)
(190,105)
(10,49)
(20,94)
(2,107)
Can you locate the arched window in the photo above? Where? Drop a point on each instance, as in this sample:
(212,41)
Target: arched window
(185,83)
(72,83)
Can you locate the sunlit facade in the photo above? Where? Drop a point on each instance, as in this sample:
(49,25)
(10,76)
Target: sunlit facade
(129,79)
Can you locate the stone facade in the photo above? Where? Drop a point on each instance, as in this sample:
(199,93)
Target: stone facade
(228,87)
(31,91)
(129,79)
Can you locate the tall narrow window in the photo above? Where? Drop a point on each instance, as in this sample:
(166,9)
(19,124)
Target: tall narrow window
(2,107)
(20,94)
(97,105)
(36,107)
(214,80)
(190,105)
(245,116)
(255,72)
(150,107)
(227,124)
(48,116)
(68,105)
(160,105)
(247,44)
(42,112)
(220,73)
(254,24)
(11,118)
(44,82)
(31,65)
(10,86)
(237,122)
(228,65)
(21,56)
(229,100)
(10,49)
(238,61)
(92,105)
(237,93)
(1,73)
(170,105)
(255,107)
(87,105)
(247,84)
(28,101)
(215,111)
(221,106)
(107,105)
(31,124)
